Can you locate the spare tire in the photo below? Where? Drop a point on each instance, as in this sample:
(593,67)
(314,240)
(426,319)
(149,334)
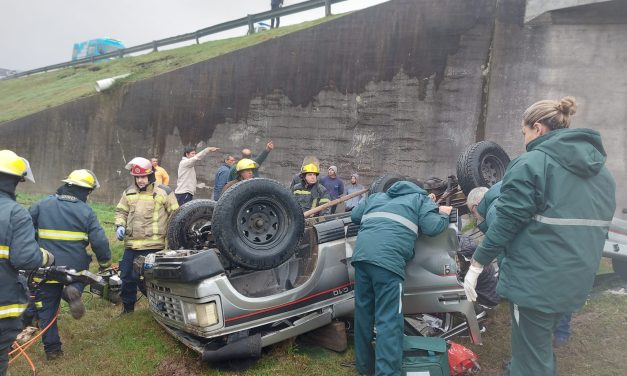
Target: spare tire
(190,226)
(258,224)
(481,165)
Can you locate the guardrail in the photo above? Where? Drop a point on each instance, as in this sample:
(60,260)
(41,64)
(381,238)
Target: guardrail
(196,35)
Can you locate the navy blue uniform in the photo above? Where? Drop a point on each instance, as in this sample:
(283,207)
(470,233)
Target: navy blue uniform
(18,251)
(65,227)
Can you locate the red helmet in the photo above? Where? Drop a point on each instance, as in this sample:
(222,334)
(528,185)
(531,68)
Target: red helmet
(139,166)
(461,360)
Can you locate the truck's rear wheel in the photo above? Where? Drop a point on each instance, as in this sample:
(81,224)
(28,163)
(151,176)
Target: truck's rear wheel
(258,224)
(482,164)
(190,226)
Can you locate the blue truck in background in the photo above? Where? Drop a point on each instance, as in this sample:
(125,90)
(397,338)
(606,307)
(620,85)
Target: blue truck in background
(95,47)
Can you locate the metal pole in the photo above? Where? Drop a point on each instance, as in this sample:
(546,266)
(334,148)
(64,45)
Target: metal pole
(251,24)
(197,37)
(327,8)
(154,46)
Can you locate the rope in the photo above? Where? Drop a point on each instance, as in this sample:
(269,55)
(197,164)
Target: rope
(21,349)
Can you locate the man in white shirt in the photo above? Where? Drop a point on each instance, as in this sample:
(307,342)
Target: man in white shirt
(186,181)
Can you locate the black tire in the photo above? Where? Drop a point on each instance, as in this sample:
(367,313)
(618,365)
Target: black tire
(258,224)
(481,165)
(383,183)
(620,267)
(190,226)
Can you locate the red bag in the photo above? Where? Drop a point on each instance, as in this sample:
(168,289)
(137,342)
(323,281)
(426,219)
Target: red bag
(462,361)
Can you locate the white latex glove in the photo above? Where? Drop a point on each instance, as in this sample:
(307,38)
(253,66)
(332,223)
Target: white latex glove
(470,282)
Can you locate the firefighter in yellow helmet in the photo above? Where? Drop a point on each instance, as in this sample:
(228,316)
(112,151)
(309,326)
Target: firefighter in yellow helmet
(141,218)
(18,251)
(245,170)
(309,193)
(65,226)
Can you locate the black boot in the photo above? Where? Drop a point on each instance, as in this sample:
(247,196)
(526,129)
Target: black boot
(128,308)
(73,297)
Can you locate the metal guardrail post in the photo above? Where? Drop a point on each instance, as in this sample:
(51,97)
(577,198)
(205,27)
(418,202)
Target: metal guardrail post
(327,8)
(154,46)
(251,24)
(197,37)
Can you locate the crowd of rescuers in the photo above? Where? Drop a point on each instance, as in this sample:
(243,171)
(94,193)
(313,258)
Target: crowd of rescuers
(61,226)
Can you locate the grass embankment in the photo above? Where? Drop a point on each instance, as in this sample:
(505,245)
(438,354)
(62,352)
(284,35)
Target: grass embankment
(26,95)
(102,343)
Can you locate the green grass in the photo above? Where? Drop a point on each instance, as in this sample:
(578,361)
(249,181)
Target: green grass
(26,95)
(103,343)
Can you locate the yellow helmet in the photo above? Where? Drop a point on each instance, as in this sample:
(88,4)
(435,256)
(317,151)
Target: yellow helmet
(82,178)
(13,164)
(310,168)
(246,164)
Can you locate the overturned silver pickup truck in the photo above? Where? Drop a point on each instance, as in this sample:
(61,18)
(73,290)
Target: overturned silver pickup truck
(249,270)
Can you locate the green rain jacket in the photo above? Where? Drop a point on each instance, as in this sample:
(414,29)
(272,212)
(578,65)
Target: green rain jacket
(556,205)
(390,224)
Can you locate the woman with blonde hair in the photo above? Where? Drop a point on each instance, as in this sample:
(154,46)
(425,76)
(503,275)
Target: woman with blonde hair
(556,205)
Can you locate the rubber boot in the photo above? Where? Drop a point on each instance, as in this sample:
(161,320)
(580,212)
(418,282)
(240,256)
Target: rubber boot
(73,297)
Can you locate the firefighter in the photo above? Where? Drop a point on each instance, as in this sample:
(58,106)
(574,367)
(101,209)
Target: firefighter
(309,193)
(18,250)
(140,219)
(65,226)
(246,169)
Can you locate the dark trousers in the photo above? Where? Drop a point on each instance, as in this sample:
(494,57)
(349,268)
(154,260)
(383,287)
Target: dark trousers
(130,279)
(9,329)
(562,330)
(378,304)
(532,347)
(183,198)
(49,294)
(272,20)
(333,209)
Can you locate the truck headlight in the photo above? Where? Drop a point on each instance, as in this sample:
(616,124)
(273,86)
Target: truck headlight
(202,314)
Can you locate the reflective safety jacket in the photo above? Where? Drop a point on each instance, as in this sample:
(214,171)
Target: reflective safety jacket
(145,214)
(18,251)
(390,222)
(311,196)
(552,218)
(66,226)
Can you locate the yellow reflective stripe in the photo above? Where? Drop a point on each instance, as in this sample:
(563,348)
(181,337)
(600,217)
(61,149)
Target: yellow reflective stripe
(143,197)
(12,310)
(38,280)
(155,218)
(314,203)
(61,235)
(324,200)
(153,239)
(122,207)
(39,304)
(4,252)
(299,192)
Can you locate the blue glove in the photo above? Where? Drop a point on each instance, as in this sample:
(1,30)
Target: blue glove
(119,232)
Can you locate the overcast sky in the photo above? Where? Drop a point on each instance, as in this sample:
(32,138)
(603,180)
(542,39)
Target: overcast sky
(35,33)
